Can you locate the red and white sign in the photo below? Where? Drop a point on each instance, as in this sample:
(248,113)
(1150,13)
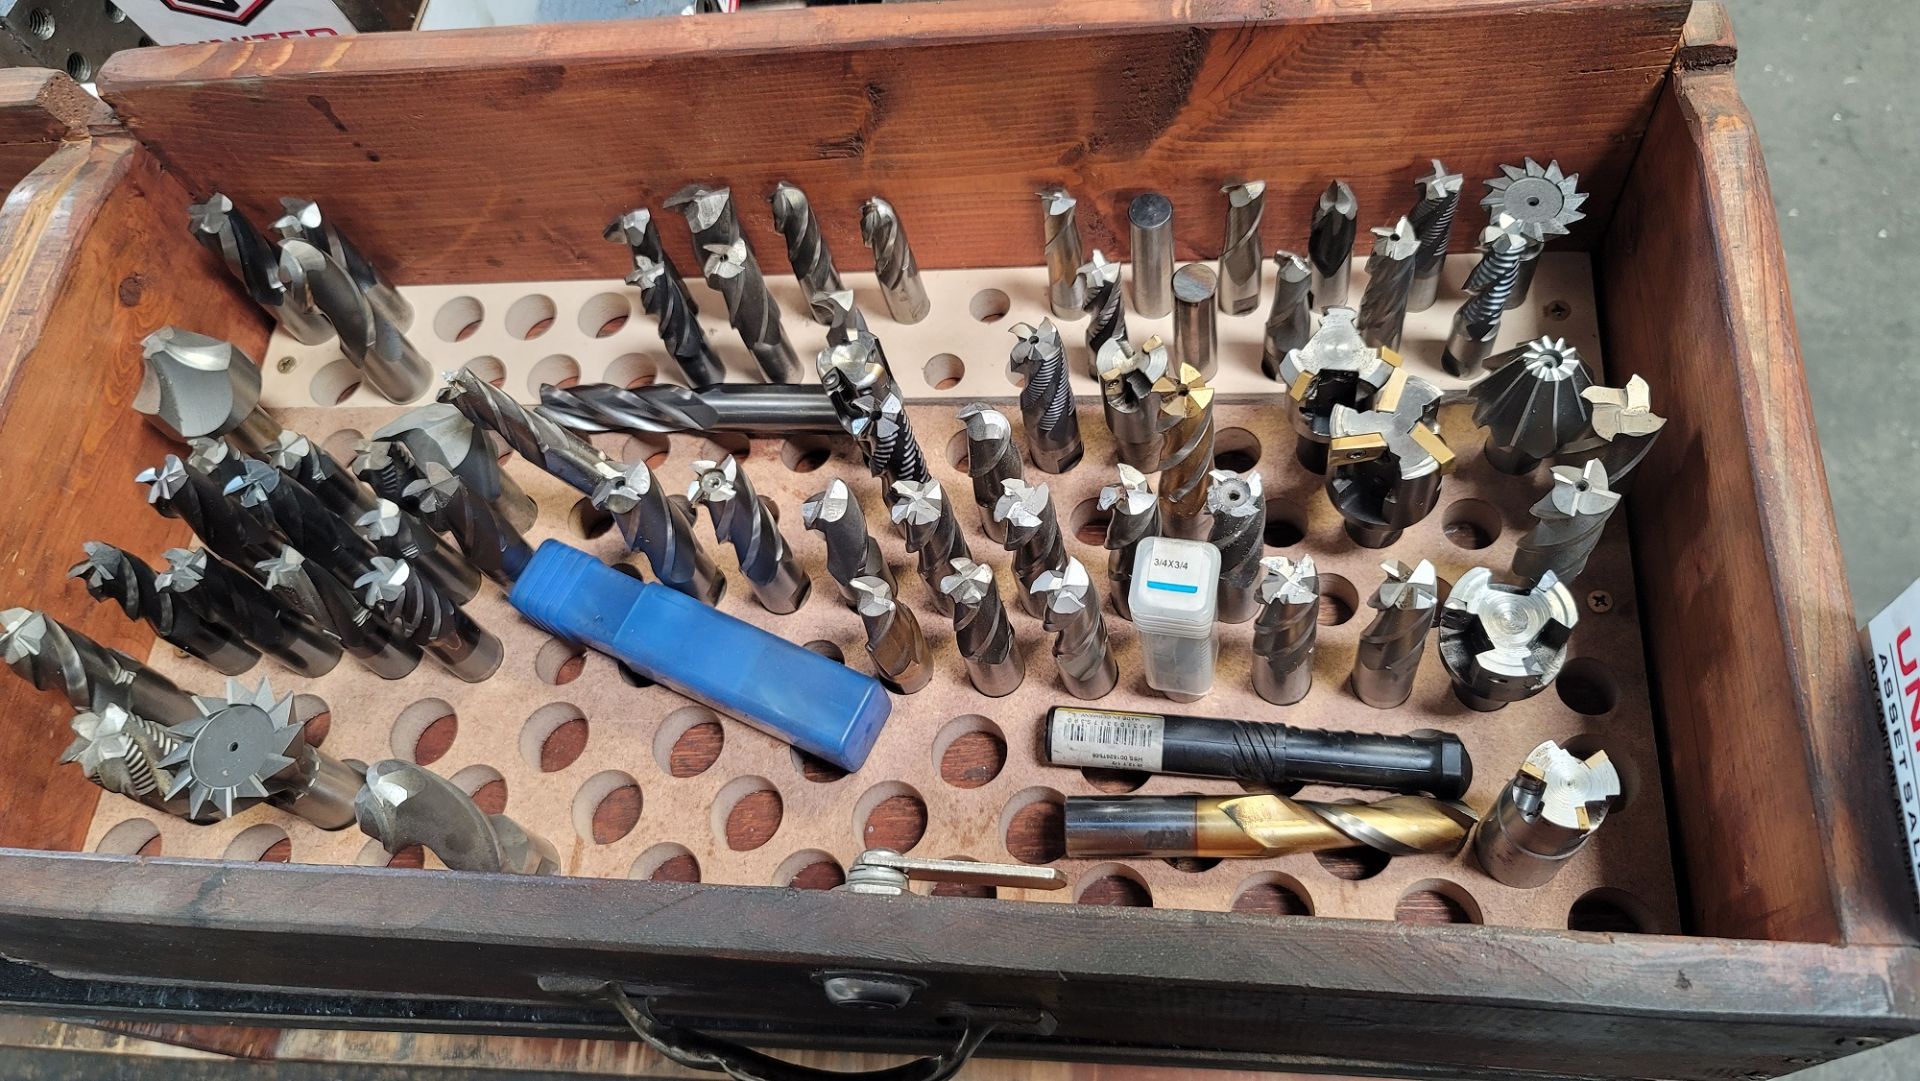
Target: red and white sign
(1894,636)
(178,22)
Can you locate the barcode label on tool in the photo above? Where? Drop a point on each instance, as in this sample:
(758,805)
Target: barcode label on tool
(1086,737)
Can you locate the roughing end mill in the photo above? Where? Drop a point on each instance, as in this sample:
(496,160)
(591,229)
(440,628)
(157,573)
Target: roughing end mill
(1060,234)
(982,632)
(1387,463)
(369,338)
(1287,630)
(1335,367)
(110,573)
(1568,521)
(1101,827)
(322,598)
(1046,401)
(235,532)
(1336,221)
(54,657)
(1432,217)
(851,552)
(1621,429)
(893,262)
(1504,643)
(250,259)
(1241,247)
(228,599)
(886,437)
(419,614)
(1239,514)
(1544,201)
(921,510)
(195,387)
(403,804)
(746,408)
(1032,534)
(1532,404)
(1391,646)
(530,433)
(438,432)
(121,753)
(1545,815)
(894,640)
(1383,306)
(1106,311)
(654,523)
(992,459)
(301,219)
(665,297)
(1477,324)
(1186,452)
(1150,278)
(1290,320)
(733,273)
(1195,333)
(806,252)
(243,748)
(1127,379)
(743,521)
(305,461)
(1133,516)
(489,541)
(384,466)
(1070,611)
(638,231)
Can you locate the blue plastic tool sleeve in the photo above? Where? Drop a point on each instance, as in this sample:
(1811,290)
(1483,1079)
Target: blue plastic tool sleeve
(817,704)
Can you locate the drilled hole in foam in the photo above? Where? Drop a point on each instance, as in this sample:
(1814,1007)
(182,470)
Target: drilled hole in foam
(944,371)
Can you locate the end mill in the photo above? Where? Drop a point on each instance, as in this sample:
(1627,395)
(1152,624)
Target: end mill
(1239,514)
(886,435)
(1532,405)
(933,535)
(121,753)
(438,432)
(251,260)
(370,339)
(1290,320)
(1504,643)
(244,748)
(1545,815)
(489,541)
(1335,367)
(300,517)
(1258,826)
(113,574)
(1621,429)
(402,804)
(742,520)
(1432,216)
(1129,401)
(236,532)
(323,599)
(1133,516)
(992,458)
(1240,250)
(806,252)
(54,657)
(1061,236)
(1387,463)
(1383,307)
(394,531)
(385,467)
(660,526)
(530,433)
(1032,534)
(1106,314)
(982,633)
(1195,336)
(1186,452)
(1391,646)
(899,650)
(1477,324)
(1568,521)
(1330,245)
(1544,201)
(301,220)
(420,615)
(1150,278)
(733,273)
(710,214)
(851,552)
(1288,629)
(1046,401)
(1070,611)
(746,408)
(194,387)
(638,231)
(665,297)
(227,599)
(893,262)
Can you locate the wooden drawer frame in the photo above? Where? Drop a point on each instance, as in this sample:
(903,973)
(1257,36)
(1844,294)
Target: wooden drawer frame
(1803,937)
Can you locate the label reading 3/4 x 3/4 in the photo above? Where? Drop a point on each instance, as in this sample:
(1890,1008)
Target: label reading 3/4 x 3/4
(1109,740)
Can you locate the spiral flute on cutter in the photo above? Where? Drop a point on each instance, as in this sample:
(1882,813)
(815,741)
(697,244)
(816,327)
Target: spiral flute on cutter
(1060,238)
(1336,221)
(1106,311)
(992,459)
(806,252)
(324,599)
(422,616)
(1133,516)
(1033,536)
(1290,320)
(982,633)
(747,408)
(244,748)
(112,574)
(438,432)
(1432,217)
(1258,826)
(1240,251)
(652,523)
(851,552)
(922,511)
(638,231)
(1186,453)
(1391,645)
(303,520)
(1129,401)
(1239,514)
(732,271)
(1544,201)
(301,220)
(402,804)
(369,337)
(710,215)
(1532,404)
(743,521)
(1288,629)
(1383,307)
(1046,401)
(487,538)
(1504,643)
(251,260)
(121,753)
(53,657)
(384,466)
(226,598)
(1070,610)
(893,262)
(532,434)
(235,532)
(665,297)
(1477,323)
(894,640)
(1568,521)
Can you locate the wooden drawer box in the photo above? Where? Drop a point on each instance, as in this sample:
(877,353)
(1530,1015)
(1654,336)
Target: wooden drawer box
(496,156)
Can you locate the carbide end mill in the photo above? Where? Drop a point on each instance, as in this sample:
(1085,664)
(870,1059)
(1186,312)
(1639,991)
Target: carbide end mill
(982,632)
(1476,325)
(1387,464)
(1195,336)
(245,747)
(1258,826)
(1432,216)
(662,527)
(403,804)
(237,532)
(1046,401)
(394,531)
(1288,628)
(112,574)
(743,521)
(489,541)
(305,461)
(194,386)
(1106,314)
(1290,320)
(300,517)
(665,297)
(54,657)
(384,466)
(1391,646)
(1622,427)
(1336,220)
(1032,534)
(1239,514)
(421,615)
(252,262)
(899,650)
(1567,524)
(851,552)
(709,212)
(1532,405)
(438,432)
(893,262)
(301,219)
(1129,401)
(1070,610)
(1545,815)
(1335,367)
(992,459)
(806,252)
(1133,516)
(121,753)
(1383,306)
(1543,202)
(1504,643)
(638,231)
(369,337)
(531,434)
(933,535)
(747,408)
(324,599)
(1150,228)
(1240,251)
(1060,235)
(733,273)
(228,599)
(1186,453)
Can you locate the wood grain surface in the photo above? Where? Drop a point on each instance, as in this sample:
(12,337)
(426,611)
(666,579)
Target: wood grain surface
(40,110)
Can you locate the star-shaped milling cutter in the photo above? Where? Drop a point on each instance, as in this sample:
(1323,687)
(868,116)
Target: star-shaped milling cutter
(241,749)
(1574,793)
(1406,588)
(1542,201)
(165,480)
(1577,493)
(1289,581)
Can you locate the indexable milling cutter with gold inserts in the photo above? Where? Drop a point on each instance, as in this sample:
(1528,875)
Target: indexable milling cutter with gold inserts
(1256,826)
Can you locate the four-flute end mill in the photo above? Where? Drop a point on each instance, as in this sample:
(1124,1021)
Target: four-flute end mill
(1288,628)
(1186,453)
(1046,401)
(921,510)
(1391,646)
(1106,314)
(1432,216)
(1133,516)
(1033,536)
(1240,250)
(1239,514)
(1503,642)
(1330,246)
(1622,427)
(982,632)
(1383,306)
(660,526)
(734,273)
(1545,815)
(1568,521)
(893,262)
(1127,378)
(1060,234)
(1070,610)
(423,616)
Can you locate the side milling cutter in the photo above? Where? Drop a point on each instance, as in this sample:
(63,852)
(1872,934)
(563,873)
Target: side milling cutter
(1504,643)
(1290,320)
(806,252)
(1133,516)
(1568,521)
(921,510)
(733,272)
(1335,367)
(851,552)
(485,535)
(54,657)
(1060,234)
(196,387)
(992,459)
(228,600)
(422,616)
(1391,646)
(894,640)
(438,432)
(1032,534)
(251,260)
(110,573)
(982,632)
(1544,201)
(661,527)
(1432,217)
(1288,629)
(1128,398)
(1336,222)
(1070,611)
(1532,404)
(1046,401)
(1387,463)
(323,599)
(403,804)
(1383,306)
(1545,815)
(1258,826)
(121,753)
(1186,452)
(742,520)
(1240,250)
(369,337)
(1106,311)
(1621,429)
(893,262)
(244,748)
(1239,514)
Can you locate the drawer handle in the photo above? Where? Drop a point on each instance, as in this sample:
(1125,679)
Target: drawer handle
(701,1051)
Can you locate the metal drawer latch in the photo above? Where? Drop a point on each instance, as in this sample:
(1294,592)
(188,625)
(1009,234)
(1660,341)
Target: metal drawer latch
(885,873)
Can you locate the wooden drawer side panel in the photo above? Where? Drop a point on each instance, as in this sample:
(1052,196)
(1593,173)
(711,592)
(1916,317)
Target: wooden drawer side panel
(40,110)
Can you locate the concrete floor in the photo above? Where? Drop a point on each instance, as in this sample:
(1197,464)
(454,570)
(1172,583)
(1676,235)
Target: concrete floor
(1836,97)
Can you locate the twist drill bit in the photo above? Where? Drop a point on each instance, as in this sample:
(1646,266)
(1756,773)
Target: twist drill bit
(1066,294)
(1239,514)
(992,460)
(638,231)
(1545,815)
(742,520)
(1477,323)
(1070,610)
(302,220)
(384,466)
(438,432)
(487,538)
(233,531)
(982,633)
(194,386)
(1128,398)
(1240,252)
(1532,404)
(243,748)
(303,520)
(1133,516)
(121,753)
(660,526)
(921,510)
(1622,427)
(1186,453)
(402,804)
(1432,217)
(893,261)
(228,600)
(251,261)
(369,338)
(899,650)
(1336,220)
(420,615)
(733,273)
(1383,307)
(1335,367)
(1387,463)
(396,532)
(1504,643)
(1544,202)
(54,657)
(112,574)
(806,251)
(1150,227)
(1099,827)
(531,434)
(1032,534)
(326,601)
(1567,526)
(851,552)
(665,297)
(749,409)
(1106,314)
(1046,401)
(1288,629)
(1195,335)
(1290,321)
(1390,647)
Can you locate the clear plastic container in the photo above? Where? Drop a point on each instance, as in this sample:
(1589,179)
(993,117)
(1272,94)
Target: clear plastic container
(1175,589)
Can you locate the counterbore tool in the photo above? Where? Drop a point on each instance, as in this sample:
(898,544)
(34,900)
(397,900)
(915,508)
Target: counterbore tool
(1288,629)
(1543,201)
(851,552)
(806,252)
(1383,306)
(921,510)
(1531,404)
(665,297)
(121,753)
(1568,521)
(1432,217)
(893,262)
(1622,428)
(113,574)
(1186,452)
(438,432)
(369,338)
(742,520)
(747,408)
(1504,643)
(1129,401)
(1101,827)
(1106,313)
(303,520)
(733,273)
(1032,534)
(1070,611)
(1046,401)
(530,433)
(1258,752)
(251,260)
(639,232)
(1330,245)
(1545,815)
(1239,516)
(1241,248)
(1194,333)
(301,220)
(54,657)
(487,538)
(655,523)
(1066,294)
(245,747)
(1290,320)
(1391,646)
(894,640)
(232,530)
(1387,463)
(194,386)
(326,601)
(1477,323)
(1133,517)
(981,630)
(1150,226)
(403,804)
(1335,367)
(992,459)
(424,617)
(228,600)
